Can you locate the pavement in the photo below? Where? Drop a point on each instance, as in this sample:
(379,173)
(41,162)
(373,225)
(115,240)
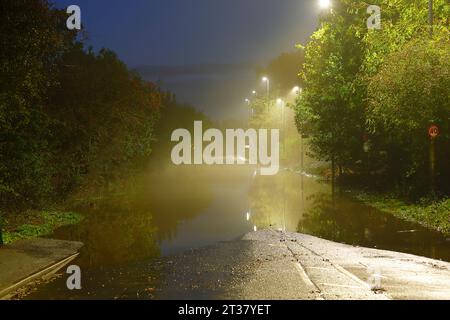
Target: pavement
(277,265)
(26,261)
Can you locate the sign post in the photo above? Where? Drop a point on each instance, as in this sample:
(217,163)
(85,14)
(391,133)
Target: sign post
(433,132)
(1,225)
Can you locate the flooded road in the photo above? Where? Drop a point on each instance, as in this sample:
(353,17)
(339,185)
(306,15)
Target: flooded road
(180,209)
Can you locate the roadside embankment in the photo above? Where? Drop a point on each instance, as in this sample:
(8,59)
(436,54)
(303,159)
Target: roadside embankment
(27,261)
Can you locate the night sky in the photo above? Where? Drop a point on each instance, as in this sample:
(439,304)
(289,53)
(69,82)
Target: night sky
(193,32)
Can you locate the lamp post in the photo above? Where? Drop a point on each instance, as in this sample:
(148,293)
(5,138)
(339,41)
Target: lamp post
(250,110)
(267,81)
(430,16)
(1,234)
(281,103)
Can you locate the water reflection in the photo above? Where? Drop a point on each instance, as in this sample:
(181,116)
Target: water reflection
(174,210)
(290,201)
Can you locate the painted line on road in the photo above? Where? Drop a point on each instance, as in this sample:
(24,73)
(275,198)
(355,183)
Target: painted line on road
(340,285)
(304,276)
(340,269)
(307,280)
(351,275)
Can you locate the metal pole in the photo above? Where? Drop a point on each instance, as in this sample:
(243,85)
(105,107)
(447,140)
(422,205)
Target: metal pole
(1,234)
(433,165)
(430,16)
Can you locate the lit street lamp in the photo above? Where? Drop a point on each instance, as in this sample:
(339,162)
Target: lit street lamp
(325,4)
(296,90)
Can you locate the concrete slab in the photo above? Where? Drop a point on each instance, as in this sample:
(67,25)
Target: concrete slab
(367,273)
(28,260)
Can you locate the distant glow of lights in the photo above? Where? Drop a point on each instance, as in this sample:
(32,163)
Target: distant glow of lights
(296,90)
(265,79)
(248,216)
(255,228)
(324,4)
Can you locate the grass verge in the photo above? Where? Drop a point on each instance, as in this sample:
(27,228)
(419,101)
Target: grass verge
(32,224)
(434,215)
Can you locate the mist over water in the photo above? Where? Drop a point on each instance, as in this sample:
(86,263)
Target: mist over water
(173,210)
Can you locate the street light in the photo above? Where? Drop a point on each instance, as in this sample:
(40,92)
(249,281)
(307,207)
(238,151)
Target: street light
(254,92)
(325,4)
(247,101)
(296,90)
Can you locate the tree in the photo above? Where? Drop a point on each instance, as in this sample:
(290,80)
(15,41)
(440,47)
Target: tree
(65,112)
(330,110)
(32,41)
(410,92)
(284,71)
(355,88)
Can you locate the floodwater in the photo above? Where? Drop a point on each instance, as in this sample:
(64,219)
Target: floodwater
(184,208)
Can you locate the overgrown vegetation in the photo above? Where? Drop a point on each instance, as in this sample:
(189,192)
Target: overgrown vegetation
(70,118)
(32,224)
(434,215)
(370,95)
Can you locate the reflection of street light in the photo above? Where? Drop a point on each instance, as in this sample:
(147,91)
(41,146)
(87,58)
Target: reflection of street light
(325,4)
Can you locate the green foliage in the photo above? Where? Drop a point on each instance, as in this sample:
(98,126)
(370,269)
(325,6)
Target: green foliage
(32,40)
(330,109)
(435,215)
(284,71)
(382,88)
(48,221)
(67,115)
(410,92)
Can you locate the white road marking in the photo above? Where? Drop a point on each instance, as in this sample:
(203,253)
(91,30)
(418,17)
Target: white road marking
(304,276)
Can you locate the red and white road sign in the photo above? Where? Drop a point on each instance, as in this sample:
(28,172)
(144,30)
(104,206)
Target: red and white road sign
(433,131)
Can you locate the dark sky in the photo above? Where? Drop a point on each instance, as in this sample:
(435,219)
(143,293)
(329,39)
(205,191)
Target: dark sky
(148,32)
(186,32)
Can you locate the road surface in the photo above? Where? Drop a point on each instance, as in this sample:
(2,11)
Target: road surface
(279,265)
